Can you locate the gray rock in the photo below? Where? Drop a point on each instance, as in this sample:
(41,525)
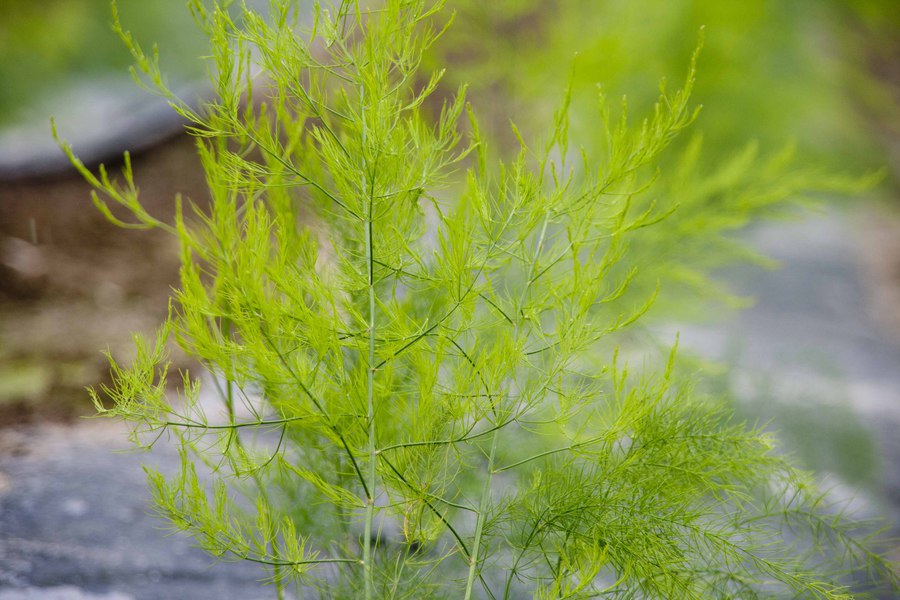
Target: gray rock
(63,592)
(74,512)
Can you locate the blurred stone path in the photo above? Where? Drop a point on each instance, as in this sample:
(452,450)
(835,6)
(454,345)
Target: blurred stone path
(814,341)
(75,524)
(74,516)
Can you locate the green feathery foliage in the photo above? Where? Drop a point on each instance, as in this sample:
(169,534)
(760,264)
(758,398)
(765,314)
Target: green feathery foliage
(420,390)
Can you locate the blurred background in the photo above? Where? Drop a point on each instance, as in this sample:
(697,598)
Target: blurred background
(817,353)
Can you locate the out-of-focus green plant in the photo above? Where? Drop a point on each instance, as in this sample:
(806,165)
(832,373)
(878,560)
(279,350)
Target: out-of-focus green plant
(421,391)
(869,35)
(771,71)
(49,45)
(766,79)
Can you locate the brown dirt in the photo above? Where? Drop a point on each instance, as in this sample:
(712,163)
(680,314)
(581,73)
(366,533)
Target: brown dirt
(72,284)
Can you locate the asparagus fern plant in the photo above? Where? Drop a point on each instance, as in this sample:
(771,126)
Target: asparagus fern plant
(416,351)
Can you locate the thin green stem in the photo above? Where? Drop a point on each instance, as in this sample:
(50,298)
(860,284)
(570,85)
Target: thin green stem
(298,563)
(569,448)
(447,442)
(320,407)
(276,550)
(525,547)
(254,424)
(462,296)
(442,517)
(368,550)
(479,525)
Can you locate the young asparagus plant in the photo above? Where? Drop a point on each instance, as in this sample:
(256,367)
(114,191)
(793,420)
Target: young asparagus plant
(416,351)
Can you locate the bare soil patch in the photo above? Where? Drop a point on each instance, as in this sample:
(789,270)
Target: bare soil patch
(72,284)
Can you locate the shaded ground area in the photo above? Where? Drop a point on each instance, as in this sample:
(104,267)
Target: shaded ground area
(72,283)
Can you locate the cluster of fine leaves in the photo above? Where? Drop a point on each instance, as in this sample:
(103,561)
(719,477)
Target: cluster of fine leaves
(417,391)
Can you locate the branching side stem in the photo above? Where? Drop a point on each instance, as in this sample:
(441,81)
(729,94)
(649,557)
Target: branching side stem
(482,512)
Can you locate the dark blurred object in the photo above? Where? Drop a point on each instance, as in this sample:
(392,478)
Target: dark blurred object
(72,284)
(871,45)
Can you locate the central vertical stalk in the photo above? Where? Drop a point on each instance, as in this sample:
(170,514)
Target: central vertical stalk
(368,550)
(368,554)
